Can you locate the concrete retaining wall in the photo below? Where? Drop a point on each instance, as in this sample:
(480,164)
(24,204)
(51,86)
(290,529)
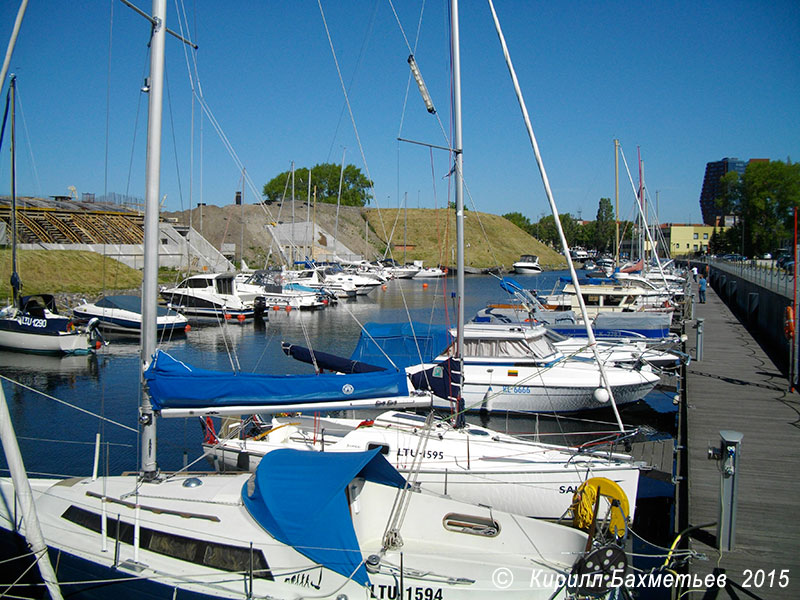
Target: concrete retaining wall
(761,310)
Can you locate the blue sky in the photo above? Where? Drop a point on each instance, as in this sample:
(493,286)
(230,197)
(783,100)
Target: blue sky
(687,82)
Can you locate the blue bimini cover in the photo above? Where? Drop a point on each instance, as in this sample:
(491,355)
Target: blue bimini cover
(175,384)
(299,498)
(405,344)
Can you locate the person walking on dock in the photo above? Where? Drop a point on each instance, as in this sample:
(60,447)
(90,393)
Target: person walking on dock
(694,273)
(701,288)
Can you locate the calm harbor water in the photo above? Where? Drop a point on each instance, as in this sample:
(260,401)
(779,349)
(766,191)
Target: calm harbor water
(47,394)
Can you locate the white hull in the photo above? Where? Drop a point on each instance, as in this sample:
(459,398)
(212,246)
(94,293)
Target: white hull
(473,464)
(213,514)
(527,270)
(564,387)
(62,343)
(115,320)
(429,273)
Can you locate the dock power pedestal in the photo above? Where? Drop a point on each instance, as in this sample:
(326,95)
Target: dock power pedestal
(727,454)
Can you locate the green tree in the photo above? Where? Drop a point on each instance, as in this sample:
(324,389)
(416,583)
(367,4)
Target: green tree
(325,178)
(585,235)
(604,229)
(770,190)
(546,231)
(520,221)
(730,200)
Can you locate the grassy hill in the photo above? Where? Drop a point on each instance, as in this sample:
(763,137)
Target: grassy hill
(66,271)
(490,240)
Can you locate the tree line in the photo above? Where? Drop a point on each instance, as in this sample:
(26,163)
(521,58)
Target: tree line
(762,200)
(599,234)
(325,178)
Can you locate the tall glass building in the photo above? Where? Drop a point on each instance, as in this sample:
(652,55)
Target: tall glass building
(711,187)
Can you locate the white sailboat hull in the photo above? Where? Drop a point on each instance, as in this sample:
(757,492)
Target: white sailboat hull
(183,528)
(474,464)
(74,342)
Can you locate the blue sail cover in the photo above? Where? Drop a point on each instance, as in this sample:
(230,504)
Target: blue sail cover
(327,361)
(299,498)
(397,340)
(175,384)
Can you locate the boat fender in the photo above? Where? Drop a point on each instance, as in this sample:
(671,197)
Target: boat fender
(210,435)
(587,496)
(788,323)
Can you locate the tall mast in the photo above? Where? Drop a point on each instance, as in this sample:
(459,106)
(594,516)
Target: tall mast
(457,148)
(338,202)
(306,240)
(616,201)
(15,282)
(241,217)
(640,196)
(549,193)
(294,239)
(152,190)
(405,226)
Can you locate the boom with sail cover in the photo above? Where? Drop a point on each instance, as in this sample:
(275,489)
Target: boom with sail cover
(177,386)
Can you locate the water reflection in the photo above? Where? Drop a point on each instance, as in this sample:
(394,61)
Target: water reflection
(108,383)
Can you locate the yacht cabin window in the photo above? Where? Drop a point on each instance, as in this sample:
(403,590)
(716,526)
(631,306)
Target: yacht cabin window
(513,348)
(197,283)
(225,285)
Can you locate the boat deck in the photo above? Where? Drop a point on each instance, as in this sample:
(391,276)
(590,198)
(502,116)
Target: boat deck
(737,387)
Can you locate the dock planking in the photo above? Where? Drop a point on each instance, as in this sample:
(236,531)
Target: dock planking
(737,387)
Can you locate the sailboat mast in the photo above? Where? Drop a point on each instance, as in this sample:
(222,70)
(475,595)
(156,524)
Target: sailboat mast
(549,193)
(459,192)
(641,208)
(616,202)
(15,283)
(294,239)
(405,226)
(152,190)
(338,202)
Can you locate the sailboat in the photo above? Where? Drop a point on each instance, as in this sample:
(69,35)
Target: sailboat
(468,462)
(32,323)
(327,525)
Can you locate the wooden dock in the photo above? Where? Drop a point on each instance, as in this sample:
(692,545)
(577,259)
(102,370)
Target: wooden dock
(737,387)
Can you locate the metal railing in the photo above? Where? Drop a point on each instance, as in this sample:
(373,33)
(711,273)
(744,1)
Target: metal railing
(763,273)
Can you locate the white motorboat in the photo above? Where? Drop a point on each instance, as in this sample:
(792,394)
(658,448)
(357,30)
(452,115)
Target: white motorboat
(610,297)
(123,314)
(517,369)
(264,284)
(528,264)
(315,278)
(364,281)
(397,271)
(471,463)
(430,273)
(210,297)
